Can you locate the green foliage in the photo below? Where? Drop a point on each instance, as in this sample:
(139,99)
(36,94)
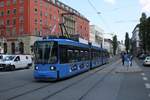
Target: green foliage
(144,32)
(115,44)
(127,42)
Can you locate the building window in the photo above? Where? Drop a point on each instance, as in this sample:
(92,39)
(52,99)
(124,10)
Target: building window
(13,48)
(5,48)
(36,21)
(40,21)
(35,10)
(2,4)
(14,1)
(2,13)
(21,10)
(8,22)
(40,13)
(46,14)
(41,3)
(14,21)
(21,1)
(14,31)
(14,11)
(36,1)
(53,1)
(21,47)
(8,12)
(50,16)
(21,19)
(21,28)
(8,3)
(8,30)
(1,22)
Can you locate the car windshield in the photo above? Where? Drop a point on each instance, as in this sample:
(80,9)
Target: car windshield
(148,58)
(45,52)
(8,58)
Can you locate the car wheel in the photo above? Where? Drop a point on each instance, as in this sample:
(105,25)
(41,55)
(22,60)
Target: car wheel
(13,67)
(28,66)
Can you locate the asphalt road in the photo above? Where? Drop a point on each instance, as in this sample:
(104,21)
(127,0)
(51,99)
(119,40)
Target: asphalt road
(103,83)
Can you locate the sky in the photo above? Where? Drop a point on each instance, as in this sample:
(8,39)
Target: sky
(113,16)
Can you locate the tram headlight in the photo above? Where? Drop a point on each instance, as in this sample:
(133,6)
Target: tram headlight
(36,68)
(52,68)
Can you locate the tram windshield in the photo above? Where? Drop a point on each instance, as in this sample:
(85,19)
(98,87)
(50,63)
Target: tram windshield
(45,52)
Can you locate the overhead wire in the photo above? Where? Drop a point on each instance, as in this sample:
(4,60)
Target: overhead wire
(99,14)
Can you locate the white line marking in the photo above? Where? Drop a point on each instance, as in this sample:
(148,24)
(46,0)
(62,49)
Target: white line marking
(145,78)
(149,95)
(147,85)
(143,74)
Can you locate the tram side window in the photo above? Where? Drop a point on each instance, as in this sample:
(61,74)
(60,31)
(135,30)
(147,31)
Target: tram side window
(76,55)
(63,56)
(82,55)
(104,53)
(93,56)
(101,53)
(70,56)
(97,54)
(86,55)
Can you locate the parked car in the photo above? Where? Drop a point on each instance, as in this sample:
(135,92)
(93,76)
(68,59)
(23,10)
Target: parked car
(146,61)
(142,56)
(11,62)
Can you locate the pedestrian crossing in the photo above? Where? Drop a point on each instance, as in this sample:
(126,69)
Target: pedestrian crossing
(128,69)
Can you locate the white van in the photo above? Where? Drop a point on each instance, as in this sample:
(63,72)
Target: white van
(2,56)
(11,62)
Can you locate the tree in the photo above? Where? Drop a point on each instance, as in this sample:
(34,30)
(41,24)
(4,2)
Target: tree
(127,42)
(143,30)
(147,34)
(115,44)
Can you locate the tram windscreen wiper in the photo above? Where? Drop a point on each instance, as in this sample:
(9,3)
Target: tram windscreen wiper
(45,52)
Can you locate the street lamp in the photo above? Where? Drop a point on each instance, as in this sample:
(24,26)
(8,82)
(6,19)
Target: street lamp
(98,12)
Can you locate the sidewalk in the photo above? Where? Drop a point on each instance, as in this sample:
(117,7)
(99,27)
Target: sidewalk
(126,69)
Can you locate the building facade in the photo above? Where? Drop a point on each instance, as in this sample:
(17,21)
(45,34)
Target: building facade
(120,48)
(96,35)
(136,44)
(108,46)
(22,20)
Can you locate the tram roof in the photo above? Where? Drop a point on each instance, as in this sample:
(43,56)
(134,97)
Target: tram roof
(68,42)
(71,43)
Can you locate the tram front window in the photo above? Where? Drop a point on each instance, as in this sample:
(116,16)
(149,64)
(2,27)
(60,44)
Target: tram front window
(45,52)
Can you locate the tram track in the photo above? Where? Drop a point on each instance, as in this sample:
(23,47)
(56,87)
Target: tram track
(12,98)
(74,83)
(50,84)
(98,82)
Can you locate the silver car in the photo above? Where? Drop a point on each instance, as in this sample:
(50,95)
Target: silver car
(146,61)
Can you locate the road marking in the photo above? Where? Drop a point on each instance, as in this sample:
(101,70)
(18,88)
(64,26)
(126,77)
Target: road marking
(147,85)
(145,78)
(143,74)
(149,95)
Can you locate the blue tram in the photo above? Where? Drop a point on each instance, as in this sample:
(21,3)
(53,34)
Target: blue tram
(60,58)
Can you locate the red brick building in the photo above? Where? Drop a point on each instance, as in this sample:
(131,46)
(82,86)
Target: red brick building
(21,21)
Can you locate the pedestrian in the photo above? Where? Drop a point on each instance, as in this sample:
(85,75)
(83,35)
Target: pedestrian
(126,59)
(122,56)
(131,57)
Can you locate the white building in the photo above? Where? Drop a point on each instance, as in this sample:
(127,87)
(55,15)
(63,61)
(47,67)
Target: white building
(96,35)
(108,45)
(121,47)
(136,40)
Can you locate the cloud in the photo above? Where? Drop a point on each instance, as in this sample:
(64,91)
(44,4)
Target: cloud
(145,5)
(110,1)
